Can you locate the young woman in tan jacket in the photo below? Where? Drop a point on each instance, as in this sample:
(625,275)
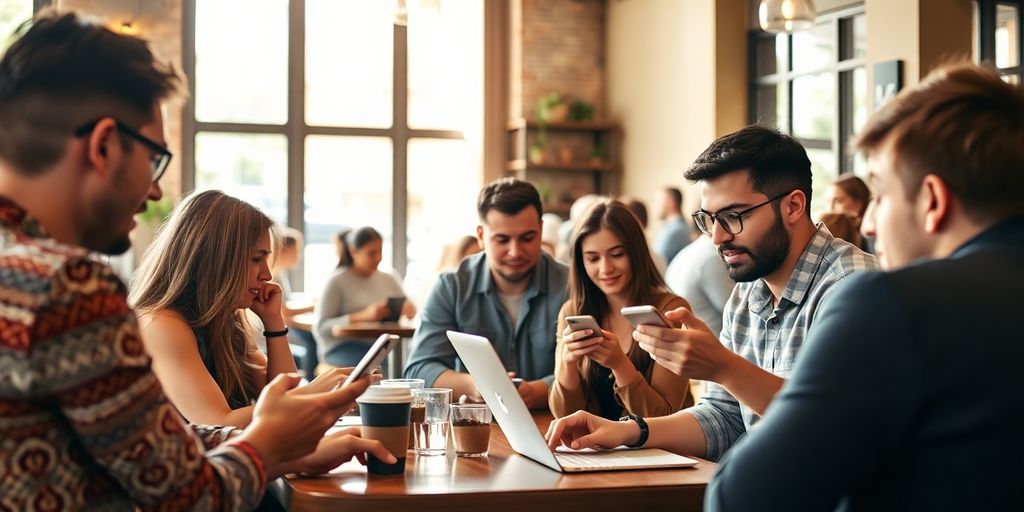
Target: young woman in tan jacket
(606,373)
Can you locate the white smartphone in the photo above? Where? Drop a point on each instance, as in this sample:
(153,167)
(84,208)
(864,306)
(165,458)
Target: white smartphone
(581,322)
(373,358)
(645,315)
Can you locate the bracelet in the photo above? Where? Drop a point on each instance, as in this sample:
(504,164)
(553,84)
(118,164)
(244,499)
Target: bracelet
(257,459)
(275,334)
(644,430)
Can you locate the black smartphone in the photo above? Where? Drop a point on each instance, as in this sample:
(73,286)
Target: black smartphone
(395,305)
(373,358)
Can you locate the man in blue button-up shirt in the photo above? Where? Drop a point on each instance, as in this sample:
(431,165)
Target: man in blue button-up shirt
(511,294)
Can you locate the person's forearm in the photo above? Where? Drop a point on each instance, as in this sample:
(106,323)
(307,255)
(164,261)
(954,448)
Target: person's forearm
(568,376)
(679,433)
(751,385)
(240,417)
(459,383)
(279,357)
(624,372)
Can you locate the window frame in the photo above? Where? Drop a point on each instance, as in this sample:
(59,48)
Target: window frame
(986,33)
(295,130)
(841,69)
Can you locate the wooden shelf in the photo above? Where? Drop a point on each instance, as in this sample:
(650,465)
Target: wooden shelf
(517,124)
(523,165)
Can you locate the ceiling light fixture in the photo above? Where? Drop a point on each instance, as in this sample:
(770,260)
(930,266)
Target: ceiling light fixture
(786,15)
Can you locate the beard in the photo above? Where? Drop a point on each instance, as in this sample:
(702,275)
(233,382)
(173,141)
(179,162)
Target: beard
(765,257)
(516,277)
(108,215)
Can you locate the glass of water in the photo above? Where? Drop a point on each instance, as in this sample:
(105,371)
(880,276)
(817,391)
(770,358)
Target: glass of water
(431,436)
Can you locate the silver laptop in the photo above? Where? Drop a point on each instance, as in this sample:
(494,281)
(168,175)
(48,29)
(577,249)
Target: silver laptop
(517,424)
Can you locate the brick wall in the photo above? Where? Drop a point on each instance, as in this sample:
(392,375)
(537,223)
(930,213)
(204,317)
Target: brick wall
(561,47)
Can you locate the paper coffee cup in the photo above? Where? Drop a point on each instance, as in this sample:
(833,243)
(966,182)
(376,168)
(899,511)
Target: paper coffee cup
(385,417)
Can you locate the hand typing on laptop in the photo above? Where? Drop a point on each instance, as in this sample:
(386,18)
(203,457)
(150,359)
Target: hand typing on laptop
(584,430)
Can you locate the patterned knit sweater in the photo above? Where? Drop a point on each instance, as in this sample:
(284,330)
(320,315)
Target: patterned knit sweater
(83,420)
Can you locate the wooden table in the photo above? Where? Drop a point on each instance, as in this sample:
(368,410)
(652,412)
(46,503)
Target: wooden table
(504,481)
(368,330)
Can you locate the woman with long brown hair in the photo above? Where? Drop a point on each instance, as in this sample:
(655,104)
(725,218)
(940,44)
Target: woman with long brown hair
(607,373)
(206,270)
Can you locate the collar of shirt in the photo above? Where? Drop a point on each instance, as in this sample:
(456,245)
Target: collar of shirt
(800,280)
(1006,232)
(13,216)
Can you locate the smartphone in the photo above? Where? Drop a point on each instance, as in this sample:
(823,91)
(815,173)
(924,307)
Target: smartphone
(645,315)
(395,305)
(373,358)
(581,322)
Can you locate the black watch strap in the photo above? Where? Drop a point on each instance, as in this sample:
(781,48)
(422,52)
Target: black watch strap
(275,334)
(644,430)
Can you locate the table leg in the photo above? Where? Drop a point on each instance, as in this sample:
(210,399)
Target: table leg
(396,361)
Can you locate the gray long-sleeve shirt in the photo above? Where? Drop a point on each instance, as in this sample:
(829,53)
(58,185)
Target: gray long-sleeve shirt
(347,292)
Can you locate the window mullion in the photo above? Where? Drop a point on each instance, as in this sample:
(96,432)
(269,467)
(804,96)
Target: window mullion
(400,144)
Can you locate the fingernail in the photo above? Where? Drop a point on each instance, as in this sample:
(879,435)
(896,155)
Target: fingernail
(575,445)
(391,459)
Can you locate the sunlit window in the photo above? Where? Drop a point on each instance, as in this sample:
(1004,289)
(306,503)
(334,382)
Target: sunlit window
(997,38)
(320,98)
(812,84)
(12,14)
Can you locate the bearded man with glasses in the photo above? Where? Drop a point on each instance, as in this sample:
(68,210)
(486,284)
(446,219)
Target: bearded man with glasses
(755,205)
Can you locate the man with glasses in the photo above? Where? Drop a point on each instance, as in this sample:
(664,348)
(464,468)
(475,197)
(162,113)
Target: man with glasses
(83,420)
(755,205)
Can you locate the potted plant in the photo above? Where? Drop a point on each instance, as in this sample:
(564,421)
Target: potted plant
(551,107)
(581,111)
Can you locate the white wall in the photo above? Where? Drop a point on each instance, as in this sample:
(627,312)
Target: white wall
(660,89)
(676,79)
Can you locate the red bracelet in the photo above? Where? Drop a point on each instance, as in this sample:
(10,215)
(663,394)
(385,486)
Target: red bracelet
(257,459)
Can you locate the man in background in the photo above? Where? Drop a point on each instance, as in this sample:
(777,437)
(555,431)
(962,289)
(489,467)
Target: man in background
(675,231)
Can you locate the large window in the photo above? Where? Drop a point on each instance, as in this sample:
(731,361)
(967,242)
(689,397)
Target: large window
(997,38)
(327,114)
(812,84)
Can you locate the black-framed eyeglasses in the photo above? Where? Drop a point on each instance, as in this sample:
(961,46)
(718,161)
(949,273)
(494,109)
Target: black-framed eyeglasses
(161,157)
(732,222)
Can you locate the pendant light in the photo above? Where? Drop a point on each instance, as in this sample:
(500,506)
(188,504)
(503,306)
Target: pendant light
(786,15)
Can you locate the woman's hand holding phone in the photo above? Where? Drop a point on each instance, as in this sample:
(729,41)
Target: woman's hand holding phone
(577,344)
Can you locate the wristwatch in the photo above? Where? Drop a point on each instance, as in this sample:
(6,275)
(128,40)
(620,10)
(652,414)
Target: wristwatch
(644,431)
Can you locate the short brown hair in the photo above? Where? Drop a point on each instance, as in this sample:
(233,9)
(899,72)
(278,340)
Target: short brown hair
(964,124)
(64,72)
(509,196)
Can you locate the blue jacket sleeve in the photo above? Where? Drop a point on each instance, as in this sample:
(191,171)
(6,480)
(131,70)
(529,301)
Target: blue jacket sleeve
(432,353)
(826,431)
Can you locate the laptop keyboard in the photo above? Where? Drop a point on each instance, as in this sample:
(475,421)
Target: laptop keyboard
(609,459)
